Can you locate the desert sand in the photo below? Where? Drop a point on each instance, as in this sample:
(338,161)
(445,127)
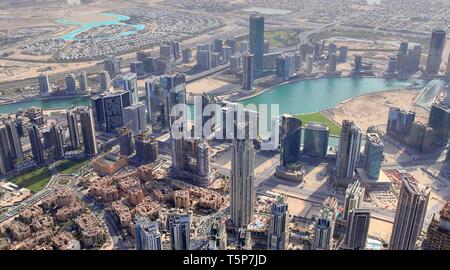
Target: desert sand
(373,109)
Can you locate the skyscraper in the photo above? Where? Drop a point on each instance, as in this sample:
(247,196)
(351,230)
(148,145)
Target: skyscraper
(147,235)
(277,236)
(218,236)
(290,137)
(179,226)
(354,196)
(438,232)
(146,147)
(256,42)
(348,152)
(36,144)
(373,155)
(135,117)
(315,143)
(242,182)
(71,84)
(88,131)
(14,141)
(44,87)
(248,74)
(56,132)
(83,83)
(72,123)
(125,141)
(108,110)
(410,214)
(332,63)
(104,81)
(324,229)
(6,159)
(130,84)
(112,66)
(437,45)
(357,229)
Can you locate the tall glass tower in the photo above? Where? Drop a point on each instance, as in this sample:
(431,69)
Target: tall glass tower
(256,39)
(437,45)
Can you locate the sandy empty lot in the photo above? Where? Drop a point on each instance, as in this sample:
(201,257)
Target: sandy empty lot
(204,85)
(373,109)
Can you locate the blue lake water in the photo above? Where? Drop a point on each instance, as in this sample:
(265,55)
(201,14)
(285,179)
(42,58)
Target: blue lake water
(83,27)
(316,95)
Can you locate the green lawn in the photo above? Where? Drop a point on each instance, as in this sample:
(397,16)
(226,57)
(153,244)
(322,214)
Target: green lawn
(34,180)
(279,38)
(318,117)
(70,166)
(284,38)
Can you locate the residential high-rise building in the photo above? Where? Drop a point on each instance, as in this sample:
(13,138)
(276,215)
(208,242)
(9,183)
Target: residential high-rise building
(44,86)
(72,123)
(218,45)
(410,214)
(108,110)
(204,59)
(179,227)
(277,236)
(332,49)
(232,43)
(324,229)
(243,239)
(137,67)
(348,152)
(104,81)
(332,63)
(135,117)
(125,141)
(83,83)
(354,196)
(88,131)
(439,120)
(112,65)
(217,236)
(373,155)
(256,42)
(165,52)
(146,147)
(309,63)
(6,157)
(400,121)
(235,64)
(142,55)
(14,141)
(285,67)
(186,55)
(266,46)
(36,144)
(438,232)
(315,143)
(175,49)
(130,85)
(147,234)
(343,54)
(358,68)
(57,134)
(357,229)
(290,138)
(242,182)
(437,45)
(243,46)
(248,74)
(392,66)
